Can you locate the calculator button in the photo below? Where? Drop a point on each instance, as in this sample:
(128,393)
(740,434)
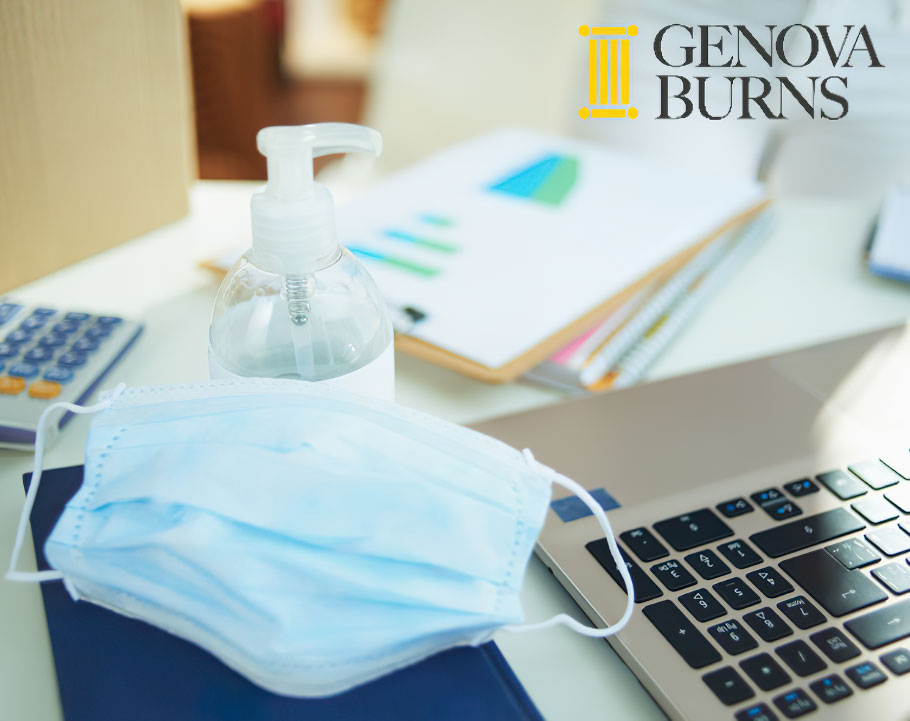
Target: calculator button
(732,637)
(692,529)
(758,712)
(728,686)
(890,540)
(875,509)
(33,322)
(38,355)
(98,331)
(866,675)
(781,509)
(765,671)
(831,688)
(11,386)
(672,575)
(844,486)
(8,310)
(767,624)
(76,317)
(837,589)
(65,327)
(639,540)
(681,634)
(802,487)
(875,474)
(801,612)
(835,645)
(739,554)
(707,564)
(44,389)
(645,588)
(8,350)
(897,661)
(736,593)
(109,320)
(795,703)
(23,370)
(769,581)
(58,374)
(802,659)
(702,605)
(86,345)
(72,359)
(19,335)
(734,507)
(52,340)
(894,576)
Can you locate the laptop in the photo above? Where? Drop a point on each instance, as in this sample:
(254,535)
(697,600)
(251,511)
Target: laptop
(763,510)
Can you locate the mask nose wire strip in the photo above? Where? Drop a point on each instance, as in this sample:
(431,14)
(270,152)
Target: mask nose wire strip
(588,500)
(40,439)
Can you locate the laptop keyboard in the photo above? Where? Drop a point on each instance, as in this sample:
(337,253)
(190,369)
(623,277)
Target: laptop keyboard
(735,592)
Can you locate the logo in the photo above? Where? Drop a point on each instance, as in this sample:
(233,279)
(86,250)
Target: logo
(608,72)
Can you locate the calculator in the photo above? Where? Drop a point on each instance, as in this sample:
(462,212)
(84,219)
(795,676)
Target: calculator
(49,355)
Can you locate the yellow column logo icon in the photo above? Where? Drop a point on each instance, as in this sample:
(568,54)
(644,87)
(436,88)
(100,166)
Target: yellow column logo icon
(608,72)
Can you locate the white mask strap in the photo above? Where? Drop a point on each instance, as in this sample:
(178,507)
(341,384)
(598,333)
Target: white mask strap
(601,517)
(40,439)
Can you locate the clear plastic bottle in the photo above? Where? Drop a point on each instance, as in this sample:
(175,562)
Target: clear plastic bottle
(297,304)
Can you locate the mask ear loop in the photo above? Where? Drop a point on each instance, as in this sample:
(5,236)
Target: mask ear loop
(588,500)
(40,440)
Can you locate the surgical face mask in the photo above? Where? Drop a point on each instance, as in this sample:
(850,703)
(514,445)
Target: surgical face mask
(310,539)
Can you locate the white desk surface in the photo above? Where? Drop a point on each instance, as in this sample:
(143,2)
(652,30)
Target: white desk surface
(807,284)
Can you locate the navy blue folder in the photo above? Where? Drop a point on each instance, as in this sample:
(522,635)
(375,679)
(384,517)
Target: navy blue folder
(112,667)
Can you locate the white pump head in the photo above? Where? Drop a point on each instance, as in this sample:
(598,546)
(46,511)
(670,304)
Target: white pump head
(293,216)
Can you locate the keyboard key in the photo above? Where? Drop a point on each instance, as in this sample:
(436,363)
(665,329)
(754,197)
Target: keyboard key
(20,335)
(728,686)
(802,487)
(707,564)
(882,626)
(72,359)
(899,463)
(890,540)
(831,688)
(894,576)
(33,322)
(702,605)
(8,310)
(38,355)
(838,590)
(795,703)
(765,672)
(767,495)
(52,340)
(734,507)
(769,581)
(692,529)
(97,332)
(23,370)
(875,474)
(57,374)
(736,593)
(639,540)
(866,675)
(758,712)
(43,312)
(841,484)
(853,553)
(875,509)
(645,588)
(109,320)
(11,386)
(739,553)
(45,390)
(767,624)
(900,497)
(897,661)
(65,327)
(732,637)
(782,509)
(801,612)
(76,317)
(8,350)
(87,345)
(672,575)
(681,633)
(806,532)
(835,645)
(800,658)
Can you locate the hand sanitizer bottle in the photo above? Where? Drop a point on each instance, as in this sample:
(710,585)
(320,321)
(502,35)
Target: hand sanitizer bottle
(298,304)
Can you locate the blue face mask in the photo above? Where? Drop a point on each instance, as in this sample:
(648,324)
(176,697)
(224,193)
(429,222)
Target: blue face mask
(312,540)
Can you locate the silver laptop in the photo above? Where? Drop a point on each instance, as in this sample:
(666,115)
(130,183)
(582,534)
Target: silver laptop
(764,512)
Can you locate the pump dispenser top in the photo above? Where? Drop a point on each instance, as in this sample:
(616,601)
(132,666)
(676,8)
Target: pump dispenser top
(293,217)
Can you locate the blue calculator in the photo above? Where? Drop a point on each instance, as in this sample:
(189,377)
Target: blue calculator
(48,355)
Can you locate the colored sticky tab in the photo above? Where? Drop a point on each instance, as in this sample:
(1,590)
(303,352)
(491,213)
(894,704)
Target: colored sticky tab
(572,508)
